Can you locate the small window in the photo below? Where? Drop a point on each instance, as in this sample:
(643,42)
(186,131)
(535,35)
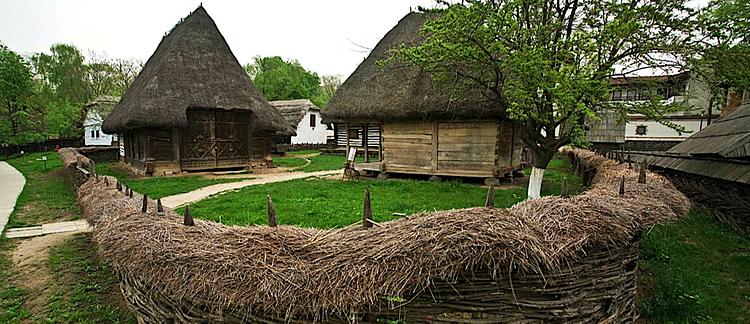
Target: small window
(312,120)
(97,133)
(92,134)
(617,95)
(353,134)
(640,130)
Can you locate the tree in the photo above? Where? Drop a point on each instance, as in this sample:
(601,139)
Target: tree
(547,63)
(278,79)
(328,86)
(20,120)
(107,76)
(725,47)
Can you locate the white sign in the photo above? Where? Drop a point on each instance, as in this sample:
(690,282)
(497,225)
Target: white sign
(352,154)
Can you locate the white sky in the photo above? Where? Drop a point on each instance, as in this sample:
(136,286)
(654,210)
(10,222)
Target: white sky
(324,35)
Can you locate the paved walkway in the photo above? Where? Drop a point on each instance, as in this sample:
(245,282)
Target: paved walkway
(205,192)
(11,185)
(62,227)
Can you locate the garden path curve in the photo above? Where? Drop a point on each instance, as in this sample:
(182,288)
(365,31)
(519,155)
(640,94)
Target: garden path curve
(205,192)
(12,184)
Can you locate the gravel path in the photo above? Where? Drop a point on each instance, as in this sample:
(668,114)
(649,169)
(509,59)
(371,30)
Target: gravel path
(205,192)
(12,184)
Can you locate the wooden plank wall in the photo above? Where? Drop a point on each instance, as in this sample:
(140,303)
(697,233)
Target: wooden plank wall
(373,134)
(482,148)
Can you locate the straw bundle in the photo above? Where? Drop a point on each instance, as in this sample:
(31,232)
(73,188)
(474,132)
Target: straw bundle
(211,271)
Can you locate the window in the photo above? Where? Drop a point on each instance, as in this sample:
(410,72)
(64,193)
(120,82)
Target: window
(617,95)
(312,120)
(92,134)
(640,130)
(97,133)
(353,134)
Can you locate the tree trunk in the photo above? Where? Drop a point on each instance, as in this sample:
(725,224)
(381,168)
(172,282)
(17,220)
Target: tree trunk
(535,182)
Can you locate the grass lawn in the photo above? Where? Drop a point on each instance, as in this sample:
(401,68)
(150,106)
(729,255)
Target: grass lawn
(695,270)
(323,203)
(159,187)
(303,152)
(12,297)
(46,197)
(85,289)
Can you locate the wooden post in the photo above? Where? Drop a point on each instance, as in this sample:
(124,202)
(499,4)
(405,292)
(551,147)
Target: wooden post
(159,207)
(630,165)
(565,192)
(366,141)
(271,212)
(130,192)
(622,186)
(490,202)
(188,220)
(106,182)
(367,210)
(346,130)
(144,208)
(380,142)
(434,156)
(642,172)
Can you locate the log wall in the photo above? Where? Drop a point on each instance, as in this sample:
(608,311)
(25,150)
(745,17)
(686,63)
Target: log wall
(476,148)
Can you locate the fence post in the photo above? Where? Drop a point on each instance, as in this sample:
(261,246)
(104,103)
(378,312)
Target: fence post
(622,186)
(367,210)
(271,212)
(490,202)
(159,208)
(106,182)
(130,192)
(642,172)
(145,203)
(188,220)
(564,191)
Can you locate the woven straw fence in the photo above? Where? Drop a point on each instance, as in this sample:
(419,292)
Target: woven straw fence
(550,259)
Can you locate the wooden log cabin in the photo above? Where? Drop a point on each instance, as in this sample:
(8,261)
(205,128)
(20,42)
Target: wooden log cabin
(424,130)
(193,107)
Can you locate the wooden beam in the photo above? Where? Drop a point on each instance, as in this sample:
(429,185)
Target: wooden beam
(434,146)
(380,142)
(347,139)
(366,141)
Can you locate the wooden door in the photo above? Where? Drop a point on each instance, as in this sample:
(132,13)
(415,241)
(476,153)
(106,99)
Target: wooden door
(215,138)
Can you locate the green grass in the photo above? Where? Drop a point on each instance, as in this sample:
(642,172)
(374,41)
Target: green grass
(303,152)
(46,197)
(12,297)
(159,187)
(695,270)
(288,162)
(325,203)
(85,288)
(321,162)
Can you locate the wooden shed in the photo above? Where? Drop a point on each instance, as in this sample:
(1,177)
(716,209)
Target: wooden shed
(423,130)
(193,107)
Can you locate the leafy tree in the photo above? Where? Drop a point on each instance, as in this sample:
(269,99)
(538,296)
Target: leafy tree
(547,62)
(328,86)
(20,120)
(278,79)
(107,76)
(725,47)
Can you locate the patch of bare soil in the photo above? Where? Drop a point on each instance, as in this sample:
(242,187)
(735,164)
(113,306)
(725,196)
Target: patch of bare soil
(30,258)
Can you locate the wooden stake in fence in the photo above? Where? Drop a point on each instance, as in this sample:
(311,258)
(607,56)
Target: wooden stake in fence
(159,208)
(642,172)
(564,192)
(130,192)
(188,221)
(490,202)
(106,182)
(630,165)
(367,210)
(145,204)
(622,186)
(271,212)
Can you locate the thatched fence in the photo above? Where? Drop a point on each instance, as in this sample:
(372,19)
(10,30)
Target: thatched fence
(554,258)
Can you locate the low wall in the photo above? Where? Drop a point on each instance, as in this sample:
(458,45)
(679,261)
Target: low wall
(100,153)
(76,167)
(553,258)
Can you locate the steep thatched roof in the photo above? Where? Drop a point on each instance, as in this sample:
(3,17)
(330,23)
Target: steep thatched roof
(192,67)
(294,110)
(398,90)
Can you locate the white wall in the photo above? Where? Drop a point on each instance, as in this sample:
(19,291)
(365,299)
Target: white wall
(657,131)
(93,123)
(307,134)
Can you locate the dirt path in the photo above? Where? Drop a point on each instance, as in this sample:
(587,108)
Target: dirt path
(30,258)
(205,192)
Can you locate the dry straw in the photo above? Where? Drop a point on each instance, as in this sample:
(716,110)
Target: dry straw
(291,272)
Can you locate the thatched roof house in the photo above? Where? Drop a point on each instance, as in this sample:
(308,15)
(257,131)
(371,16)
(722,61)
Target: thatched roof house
(413,112)
(190,85)
(304,117)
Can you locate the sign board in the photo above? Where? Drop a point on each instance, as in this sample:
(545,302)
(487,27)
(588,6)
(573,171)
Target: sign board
(352,154)
(44,158)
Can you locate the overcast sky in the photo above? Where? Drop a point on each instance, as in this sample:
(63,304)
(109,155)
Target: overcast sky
(327,37)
